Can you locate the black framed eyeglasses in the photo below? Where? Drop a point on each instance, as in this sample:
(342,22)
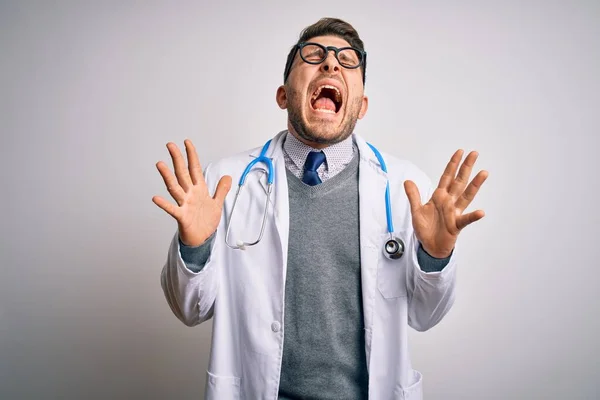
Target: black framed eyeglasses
(315,53)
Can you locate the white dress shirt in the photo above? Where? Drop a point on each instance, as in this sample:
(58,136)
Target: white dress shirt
(337,156)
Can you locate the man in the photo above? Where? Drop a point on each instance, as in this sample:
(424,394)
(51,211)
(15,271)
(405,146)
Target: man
(318,277)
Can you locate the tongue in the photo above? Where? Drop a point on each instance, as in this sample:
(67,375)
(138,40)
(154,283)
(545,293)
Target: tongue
(324,103)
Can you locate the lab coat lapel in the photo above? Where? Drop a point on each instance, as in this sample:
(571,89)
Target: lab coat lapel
(279,196)
(372,185)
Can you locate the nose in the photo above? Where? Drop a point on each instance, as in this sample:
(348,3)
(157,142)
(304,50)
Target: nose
(330,65)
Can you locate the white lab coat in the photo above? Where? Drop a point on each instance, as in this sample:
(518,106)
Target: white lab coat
(243,290)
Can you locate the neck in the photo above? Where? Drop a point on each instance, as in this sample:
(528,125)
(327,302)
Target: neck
(314,145)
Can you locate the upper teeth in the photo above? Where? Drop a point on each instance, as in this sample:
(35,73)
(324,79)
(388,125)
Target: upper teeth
(338,95)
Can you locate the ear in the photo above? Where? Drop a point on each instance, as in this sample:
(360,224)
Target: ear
(363,108)
(281,97)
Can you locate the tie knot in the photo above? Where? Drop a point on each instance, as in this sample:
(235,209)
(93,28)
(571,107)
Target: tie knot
(312,163)
(314,160)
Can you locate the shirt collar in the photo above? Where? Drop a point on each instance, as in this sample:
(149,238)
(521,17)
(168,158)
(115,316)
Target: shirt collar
(337,154)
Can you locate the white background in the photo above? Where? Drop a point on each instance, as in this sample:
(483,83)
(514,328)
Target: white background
(91,93)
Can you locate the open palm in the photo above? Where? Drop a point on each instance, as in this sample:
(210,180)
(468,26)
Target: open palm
(438,222)
(197,212)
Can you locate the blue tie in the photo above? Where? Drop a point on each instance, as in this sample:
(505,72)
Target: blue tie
(313,162)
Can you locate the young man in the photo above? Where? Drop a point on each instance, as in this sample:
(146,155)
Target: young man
(320,306)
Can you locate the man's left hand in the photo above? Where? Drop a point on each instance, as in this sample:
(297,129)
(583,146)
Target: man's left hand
(438,222)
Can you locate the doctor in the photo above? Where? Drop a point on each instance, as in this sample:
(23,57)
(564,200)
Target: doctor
(317,308)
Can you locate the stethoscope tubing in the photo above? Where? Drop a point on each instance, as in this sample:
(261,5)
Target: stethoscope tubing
(397,243)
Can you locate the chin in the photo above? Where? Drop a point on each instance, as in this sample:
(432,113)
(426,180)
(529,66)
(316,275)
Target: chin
(321,127)
(323,133)
(327,132)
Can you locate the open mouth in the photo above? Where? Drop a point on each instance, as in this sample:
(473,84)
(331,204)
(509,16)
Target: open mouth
(327,99)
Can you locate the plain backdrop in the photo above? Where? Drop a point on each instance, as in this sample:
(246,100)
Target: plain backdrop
(90,93)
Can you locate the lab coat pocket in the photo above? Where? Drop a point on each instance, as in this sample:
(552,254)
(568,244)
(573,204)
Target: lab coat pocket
(415,390)
(391,274)
(222,387)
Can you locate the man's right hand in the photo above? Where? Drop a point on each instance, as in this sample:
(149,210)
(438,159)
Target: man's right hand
(197,213)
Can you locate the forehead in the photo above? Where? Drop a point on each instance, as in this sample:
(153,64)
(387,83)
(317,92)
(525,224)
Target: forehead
(329,41)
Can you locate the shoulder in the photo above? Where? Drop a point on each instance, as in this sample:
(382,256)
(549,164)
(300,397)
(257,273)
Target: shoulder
(232,165)
(232,161)
(399,169)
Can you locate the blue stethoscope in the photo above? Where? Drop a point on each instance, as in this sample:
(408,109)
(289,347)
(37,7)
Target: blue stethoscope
(393,247)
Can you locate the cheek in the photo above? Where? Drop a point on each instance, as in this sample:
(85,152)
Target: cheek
(355,90)
(355,98)
(299,95)
(298,98)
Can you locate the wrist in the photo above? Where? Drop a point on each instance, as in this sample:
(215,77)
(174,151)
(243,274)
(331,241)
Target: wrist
(196,241)
(434,253)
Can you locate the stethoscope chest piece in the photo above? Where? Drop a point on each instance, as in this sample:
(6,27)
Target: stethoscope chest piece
(393,248)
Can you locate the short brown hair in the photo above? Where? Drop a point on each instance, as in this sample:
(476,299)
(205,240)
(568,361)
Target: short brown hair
(328,27)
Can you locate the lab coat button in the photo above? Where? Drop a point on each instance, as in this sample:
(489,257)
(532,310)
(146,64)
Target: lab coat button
(275,326)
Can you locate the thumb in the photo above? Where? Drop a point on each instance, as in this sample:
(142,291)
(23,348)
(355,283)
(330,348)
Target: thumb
(414,197)
(222,189)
